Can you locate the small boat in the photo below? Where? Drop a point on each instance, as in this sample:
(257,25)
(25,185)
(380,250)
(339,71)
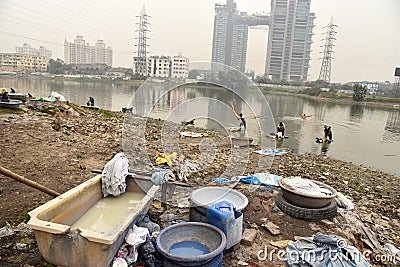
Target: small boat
(126,110)
(90,107)
(11,104)
(18,96)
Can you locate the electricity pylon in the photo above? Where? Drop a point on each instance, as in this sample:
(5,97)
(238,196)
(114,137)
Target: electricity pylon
(326,67)
(140,60)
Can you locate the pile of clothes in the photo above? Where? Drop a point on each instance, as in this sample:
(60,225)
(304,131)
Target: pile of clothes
(323,250)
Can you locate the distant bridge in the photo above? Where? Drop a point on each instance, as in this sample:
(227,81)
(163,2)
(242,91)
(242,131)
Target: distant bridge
(255,20)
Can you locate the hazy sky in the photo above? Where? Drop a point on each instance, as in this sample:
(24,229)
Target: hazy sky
(367,45)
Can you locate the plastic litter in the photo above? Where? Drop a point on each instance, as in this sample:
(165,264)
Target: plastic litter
(119,262)
(220,180)
(184,169)
(162,158)
(191,134)
(6,230)
(344,202)
(59,96)
(135,237)
(271,152)
(158,176)
(262,179)
(148,254)
(390,248)
(147,223)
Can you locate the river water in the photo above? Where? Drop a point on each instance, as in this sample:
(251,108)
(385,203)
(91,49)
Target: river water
(362,135)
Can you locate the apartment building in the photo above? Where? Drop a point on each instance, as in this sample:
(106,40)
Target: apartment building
(27,49)
(159,66)
(80,52)
(176,67)
(15,62)
(180,67)
(289,40)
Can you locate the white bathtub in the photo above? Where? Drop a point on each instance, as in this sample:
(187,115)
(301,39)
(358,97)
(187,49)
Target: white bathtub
(62,246)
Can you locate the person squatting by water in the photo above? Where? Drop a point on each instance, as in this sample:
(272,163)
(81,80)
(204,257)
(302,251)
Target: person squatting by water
(280,130)
(90,102)
(327,133)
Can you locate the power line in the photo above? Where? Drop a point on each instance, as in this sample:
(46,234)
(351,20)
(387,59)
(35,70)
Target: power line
(29,38)
(48,42)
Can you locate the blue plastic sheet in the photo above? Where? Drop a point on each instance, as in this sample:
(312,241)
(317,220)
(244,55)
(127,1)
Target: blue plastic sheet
(262,179)
(220,180)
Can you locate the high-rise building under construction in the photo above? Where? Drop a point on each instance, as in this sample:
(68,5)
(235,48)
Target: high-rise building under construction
(289,40)
(231,29)
(230,37)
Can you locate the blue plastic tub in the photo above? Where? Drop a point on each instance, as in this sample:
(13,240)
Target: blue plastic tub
(205,234)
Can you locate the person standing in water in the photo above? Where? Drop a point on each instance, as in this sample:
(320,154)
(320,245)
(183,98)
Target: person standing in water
(240,117)
(242,121)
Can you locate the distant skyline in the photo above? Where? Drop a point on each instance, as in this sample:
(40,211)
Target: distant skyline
(367,45)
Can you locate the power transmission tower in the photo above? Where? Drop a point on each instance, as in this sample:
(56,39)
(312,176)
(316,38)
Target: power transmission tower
(326,67)
(140,61)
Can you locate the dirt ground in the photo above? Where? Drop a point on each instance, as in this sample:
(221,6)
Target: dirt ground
(59,145)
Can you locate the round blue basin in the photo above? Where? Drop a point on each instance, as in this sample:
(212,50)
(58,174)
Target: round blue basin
(199,244)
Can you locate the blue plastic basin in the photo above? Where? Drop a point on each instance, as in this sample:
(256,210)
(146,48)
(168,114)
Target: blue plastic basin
(206,235)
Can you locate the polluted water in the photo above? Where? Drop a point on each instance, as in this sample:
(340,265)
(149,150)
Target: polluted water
(188,249)
(108,212)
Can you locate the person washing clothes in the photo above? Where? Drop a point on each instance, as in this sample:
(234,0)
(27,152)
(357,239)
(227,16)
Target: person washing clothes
(240,117)
(280,130)
(327,134)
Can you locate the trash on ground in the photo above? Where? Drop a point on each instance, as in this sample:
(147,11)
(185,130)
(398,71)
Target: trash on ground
(6,230)
(272,228)
(262,179)
(324,250)
(128,251)
(158,176)
(162,158)
(282,244)
(344,202)
(191,134)
(271,152)
(220,180)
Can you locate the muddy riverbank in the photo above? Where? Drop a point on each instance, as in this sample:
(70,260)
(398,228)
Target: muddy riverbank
(59,145)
